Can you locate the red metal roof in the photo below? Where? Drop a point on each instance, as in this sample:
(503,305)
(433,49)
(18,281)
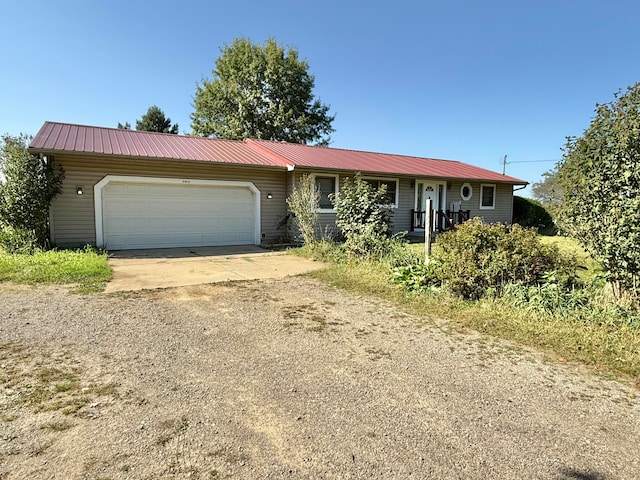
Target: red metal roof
(63,137)
(371,162)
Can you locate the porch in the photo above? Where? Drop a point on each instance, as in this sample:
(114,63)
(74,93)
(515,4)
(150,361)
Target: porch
(441,220)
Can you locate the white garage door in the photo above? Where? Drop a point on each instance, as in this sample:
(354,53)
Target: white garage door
(158,215)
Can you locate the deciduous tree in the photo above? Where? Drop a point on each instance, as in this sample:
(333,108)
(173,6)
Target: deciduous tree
(600,179)
(260,91)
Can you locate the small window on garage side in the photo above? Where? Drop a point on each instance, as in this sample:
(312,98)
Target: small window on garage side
(326,185)
(487,197)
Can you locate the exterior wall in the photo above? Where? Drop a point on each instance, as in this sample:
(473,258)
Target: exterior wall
(73,217)
(400,216)
(503,211)
(401,219)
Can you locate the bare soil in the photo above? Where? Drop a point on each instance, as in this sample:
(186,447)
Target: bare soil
(288,379)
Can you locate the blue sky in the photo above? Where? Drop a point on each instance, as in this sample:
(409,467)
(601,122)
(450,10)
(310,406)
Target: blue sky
(463,80)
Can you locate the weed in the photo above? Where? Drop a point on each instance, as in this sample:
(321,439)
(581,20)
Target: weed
(58,386)
(59,426)
(172,429)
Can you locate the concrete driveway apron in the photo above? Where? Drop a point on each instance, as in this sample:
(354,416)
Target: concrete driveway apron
(175,267)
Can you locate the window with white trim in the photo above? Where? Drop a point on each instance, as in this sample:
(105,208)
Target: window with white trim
(487,196)
(326,185)
(392,188)
(466,192)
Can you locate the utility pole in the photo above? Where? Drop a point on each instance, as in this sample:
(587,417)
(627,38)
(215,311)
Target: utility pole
(504,164)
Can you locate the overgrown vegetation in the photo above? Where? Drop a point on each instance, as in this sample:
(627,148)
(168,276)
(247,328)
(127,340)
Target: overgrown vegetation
(303,203)
(600,180)
(87,267)
(363,217)
(27,186)
(479,258)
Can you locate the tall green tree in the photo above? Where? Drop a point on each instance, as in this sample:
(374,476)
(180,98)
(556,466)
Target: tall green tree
(600,179)
(547,191)
(260,91)
(28,184)
(155,121)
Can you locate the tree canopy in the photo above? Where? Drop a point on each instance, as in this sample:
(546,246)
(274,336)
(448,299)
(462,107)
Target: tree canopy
(600,179)
(547,191)
(260,91)
(153,121)
(28,186)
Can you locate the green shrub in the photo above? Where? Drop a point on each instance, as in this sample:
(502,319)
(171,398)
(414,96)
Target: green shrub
(18,240)
(477,257)
(531,213)
(28,183)
(418,277)
(363,217)
(303,203)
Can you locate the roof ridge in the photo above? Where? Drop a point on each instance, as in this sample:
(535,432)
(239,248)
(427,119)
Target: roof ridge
(355,150)
(171,135)
(255,145)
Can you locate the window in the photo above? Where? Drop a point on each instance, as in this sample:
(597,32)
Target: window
(326,185)
(392,188)
(466,191)
(487,197)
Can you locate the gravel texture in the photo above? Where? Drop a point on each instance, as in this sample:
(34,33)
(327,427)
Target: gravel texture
(288,379)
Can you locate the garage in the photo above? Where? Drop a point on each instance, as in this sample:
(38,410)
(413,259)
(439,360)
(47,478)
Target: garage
(135,212)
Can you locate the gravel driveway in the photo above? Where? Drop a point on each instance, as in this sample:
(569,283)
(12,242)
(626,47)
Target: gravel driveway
(288,379)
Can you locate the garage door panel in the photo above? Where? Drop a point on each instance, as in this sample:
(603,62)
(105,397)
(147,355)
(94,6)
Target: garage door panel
(138,215)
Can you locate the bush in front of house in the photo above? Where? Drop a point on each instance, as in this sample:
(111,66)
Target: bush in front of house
(478,258)
(28,183)
(303,203)
(18,240)
(363,217)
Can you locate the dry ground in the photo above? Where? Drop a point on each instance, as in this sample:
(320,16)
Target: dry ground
(288,379)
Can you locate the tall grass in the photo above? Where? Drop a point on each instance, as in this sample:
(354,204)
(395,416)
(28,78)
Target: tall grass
(87,267)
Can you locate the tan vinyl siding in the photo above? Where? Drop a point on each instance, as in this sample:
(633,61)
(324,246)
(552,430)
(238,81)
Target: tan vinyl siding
(400,216)
(503,211)
(73,221)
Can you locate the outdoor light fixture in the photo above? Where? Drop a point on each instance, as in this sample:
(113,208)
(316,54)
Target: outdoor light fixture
(79,190)
(269,196)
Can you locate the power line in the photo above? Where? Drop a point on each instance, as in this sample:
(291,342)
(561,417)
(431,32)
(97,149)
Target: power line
(534,161)
(504,162)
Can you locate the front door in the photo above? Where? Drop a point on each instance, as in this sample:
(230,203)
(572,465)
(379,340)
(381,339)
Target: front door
(435,191)
(429,192)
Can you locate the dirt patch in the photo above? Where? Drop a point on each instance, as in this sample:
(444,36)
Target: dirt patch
(288,379)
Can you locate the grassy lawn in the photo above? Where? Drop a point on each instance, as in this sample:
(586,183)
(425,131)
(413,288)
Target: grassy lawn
(588,266)
(87,268)
(609,345)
